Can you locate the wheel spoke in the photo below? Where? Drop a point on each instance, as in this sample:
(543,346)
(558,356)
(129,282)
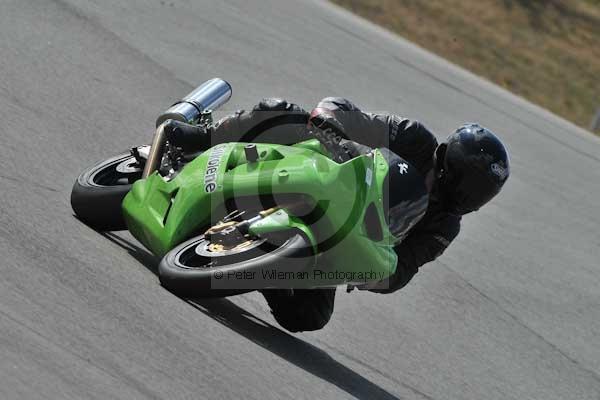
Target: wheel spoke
(119,172)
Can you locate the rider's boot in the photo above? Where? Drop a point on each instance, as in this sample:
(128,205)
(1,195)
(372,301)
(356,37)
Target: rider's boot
(191,138)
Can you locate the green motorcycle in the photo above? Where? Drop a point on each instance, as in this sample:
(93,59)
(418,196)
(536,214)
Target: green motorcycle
(245,216)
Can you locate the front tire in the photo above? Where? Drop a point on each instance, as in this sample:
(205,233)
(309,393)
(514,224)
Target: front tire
(99,191)
(188,272)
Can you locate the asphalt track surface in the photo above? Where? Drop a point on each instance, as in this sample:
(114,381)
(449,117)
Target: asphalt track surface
(511,311)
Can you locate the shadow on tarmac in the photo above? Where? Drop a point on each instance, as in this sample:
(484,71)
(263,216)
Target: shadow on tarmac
(296,351)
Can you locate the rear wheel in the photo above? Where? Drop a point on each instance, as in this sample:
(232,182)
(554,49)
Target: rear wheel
(202,268)
(99,191)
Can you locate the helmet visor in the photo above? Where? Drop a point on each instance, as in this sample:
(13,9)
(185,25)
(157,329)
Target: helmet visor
(468,192)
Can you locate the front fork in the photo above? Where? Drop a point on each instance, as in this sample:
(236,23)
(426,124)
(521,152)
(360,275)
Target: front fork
(280,220)
(229,233)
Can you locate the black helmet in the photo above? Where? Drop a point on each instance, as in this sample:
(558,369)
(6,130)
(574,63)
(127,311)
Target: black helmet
(471,166)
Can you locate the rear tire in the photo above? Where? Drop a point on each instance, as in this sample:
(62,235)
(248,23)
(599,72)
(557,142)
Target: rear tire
(99,191)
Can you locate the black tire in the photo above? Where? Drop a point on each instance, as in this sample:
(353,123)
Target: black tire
(188,274)
(301,309)
(99,191)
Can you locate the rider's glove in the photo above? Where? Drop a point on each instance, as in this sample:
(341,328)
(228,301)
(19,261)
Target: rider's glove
(323,125)
(325,121)
(339,152)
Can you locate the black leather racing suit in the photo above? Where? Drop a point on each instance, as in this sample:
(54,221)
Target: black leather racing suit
(277,121)
(416,144)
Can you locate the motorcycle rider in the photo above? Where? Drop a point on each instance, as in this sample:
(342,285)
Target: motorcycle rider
(462,174)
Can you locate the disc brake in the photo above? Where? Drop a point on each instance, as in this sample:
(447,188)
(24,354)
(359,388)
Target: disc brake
(229,234)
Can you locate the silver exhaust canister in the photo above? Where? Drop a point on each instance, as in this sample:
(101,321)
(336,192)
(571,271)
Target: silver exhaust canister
(210,95)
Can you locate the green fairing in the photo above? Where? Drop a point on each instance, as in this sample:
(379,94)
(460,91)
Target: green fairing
(162,214)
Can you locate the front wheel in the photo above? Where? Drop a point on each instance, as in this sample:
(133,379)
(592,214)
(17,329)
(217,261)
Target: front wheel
(200,268)
(99,191)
